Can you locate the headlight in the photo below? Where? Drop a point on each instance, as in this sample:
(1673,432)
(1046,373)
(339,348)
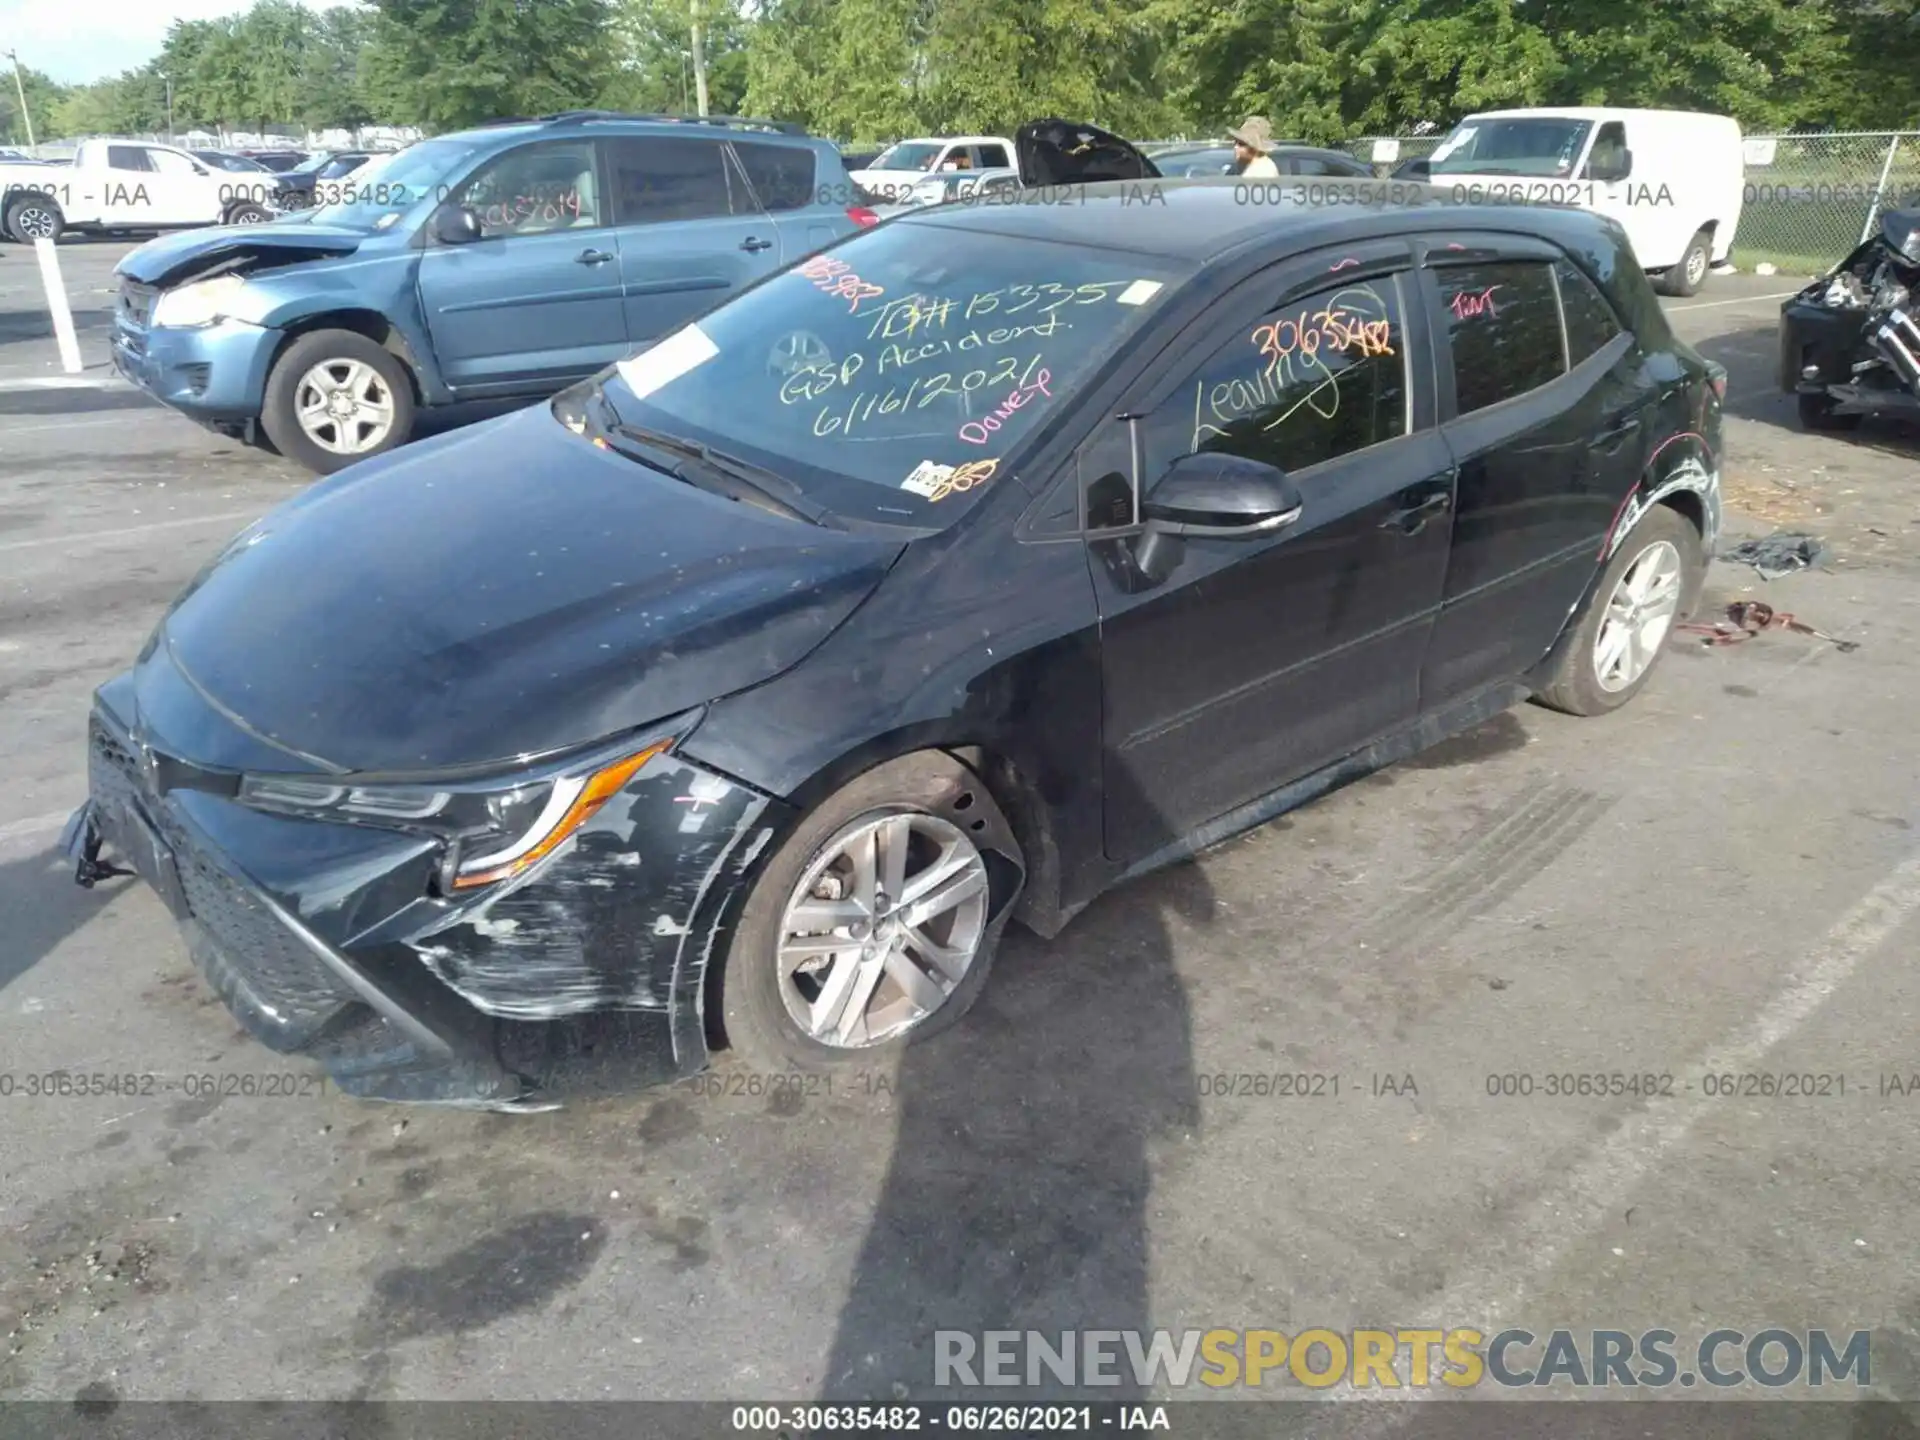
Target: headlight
(495,829)
(201,303)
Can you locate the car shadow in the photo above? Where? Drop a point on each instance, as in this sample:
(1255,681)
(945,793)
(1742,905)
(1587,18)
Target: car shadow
(1018,1194)
(43,907)
(1752,361)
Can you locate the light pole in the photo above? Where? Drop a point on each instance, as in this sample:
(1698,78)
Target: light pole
(169,80)
(20,89)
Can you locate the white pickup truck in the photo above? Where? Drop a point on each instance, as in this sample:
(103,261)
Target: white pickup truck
(121,185)
(893,173)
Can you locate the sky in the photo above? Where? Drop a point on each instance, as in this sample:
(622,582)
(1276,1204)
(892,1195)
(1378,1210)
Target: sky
(75,41)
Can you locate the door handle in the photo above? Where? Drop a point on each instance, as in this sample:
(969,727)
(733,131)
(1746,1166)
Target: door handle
(593,257)
(754,242)
(1413,519)
(1612,438)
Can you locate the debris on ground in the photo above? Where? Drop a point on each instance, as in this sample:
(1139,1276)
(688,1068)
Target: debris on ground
(1781,553)
(1748,618)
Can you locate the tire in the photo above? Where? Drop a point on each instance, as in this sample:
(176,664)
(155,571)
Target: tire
(344,356)
(246,213)
(1574,685)
(1690,274)
(935,801)
(1817,413)
(34,217)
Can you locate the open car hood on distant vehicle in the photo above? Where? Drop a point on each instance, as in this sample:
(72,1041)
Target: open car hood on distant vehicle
(1070,152)
(174,258)
(1901,231)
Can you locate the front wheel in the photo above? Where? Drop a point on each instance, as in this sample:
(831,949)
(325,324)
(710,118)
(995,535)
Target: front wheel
(247,213)
(335,397)
(33,217)
(1650,585)
(875,925)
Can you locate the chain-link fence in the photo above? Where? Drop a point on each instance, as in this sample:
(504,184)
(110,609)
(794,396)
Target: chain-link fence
(1809,198)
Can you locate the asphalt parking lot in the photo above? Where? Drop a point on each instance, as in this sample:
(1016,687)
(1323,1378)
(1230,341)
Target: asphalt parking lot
(1723,877)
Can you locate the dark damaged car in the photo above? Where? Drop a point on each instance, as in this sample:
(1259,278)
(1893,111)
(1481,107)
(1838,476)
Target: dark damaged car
(1849,342)
(734,699)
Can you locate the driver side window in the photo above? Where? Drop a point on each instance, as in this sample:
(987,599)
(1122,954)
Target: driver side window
(1609,149)
(536,190)
(1317,378)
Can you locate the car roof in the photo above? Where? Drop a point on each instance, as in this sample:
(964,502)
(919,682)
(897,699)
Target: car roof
(592,122)
(1590,112)
(1204,218)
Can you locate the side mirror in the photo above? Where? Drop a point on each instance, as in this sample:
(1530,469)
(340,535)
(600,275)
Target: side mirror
(1218,496)
(456,225)
(1221,495)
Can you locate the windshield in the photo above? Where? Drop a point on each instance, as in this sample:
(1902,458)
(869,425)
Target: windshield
(890,376)
(386,186)
(908,155)
(1536,145)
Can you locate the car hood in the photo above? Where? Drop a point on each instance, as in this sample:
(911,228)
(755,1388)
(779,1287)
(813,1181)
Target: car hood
(173,258)
(500,591)
(1071,152)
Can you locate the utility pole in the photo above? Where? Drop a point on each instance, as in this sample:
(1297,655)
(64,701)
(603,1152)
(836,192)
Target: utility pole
(169,80)
(699,61)
(20,89)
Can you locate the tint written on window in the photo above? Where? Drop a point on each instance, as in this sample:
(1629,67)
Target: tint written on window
(1504,325)
(1591,323)
(1314,380)
(782,175)
(661,178)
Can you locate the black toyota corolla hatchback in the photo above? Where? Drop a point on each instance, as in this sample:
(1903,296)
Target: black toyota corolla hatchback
(996,555)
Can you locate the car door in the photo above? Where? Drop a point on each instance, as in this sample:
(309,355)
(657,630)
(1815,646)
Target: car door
(1543,452)
(691,232)
(127,187)
(183,190)
(788,189)
(1260,658)
(534,303)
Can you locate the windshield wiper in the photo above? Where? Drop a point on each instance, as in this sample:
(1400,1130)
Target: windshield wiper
(740,479)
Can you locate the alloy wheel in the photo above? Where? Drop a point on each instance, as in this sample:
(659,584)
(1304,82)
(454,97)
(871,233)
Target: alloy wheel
(1638,615)
(36,223)
(1696,266)
(881,928)
(344,406)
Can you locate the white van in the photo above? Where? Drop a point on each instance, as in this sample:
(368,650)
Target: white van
(1674,179)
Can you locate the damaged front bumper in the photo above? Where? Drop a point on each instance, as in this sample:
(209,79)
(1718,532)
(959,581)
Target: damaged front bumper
(584,975)
(213,374)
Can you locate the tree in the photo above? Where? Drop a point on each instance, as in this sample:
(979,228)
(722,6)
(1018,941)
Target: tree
(448,63)
(653,72)
(43,97)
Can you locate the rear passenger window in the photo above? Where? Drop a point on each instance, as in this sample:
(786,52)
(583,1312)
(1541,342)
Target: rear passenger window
(1504,324)
(128,157)
(660,178)
(1591,323)
(782,175)
(992,157)
(1314,380)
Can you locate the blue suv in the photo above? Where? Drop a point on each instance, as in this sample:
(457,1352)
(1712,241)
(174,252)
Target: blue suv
(497,263)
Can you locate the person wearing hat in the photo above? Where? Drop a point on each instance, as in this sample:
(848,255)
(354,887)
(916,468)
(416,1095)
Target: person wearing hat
(1251,142)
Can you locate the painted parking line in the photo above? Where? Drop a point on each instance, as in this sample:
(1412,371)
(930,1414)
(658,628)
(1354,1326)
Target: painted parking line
(90,537)
(65,382)
(1737,300)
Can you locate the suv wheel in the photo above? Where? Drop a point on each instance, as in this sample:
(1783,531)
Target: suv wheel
(874,926)
(335,397)
(1650,585)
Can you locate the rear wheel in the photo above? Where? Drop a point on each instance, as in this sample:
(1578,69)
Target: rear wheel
(335,397)
(873,928)
(1649,586)
(1690,274)
(246,213)
(33,217)
(1819,412)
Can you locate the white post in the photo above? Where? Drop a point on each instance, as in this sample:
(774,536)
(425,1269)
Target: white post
(1873,206)
(57,306)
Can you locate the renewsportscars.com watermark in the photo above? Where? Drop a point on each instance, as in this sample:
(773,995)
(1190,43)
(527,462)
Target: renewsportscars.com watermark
(1459,1359)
